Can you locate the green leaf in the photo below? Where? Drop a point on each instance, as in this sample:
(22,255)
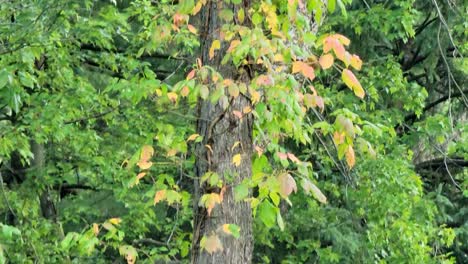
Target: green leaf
(267,213)
(241,192)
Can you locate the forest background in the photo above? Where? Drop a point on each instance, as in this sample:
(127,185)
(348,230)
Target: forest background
(243,131)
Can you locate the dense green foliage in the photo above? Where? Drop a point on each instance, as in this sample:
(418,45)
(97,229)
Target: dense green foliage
(98,117)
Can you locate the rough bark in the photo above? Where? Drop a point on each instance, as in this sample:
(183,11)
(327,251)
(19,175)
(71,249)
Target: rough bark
(221,130)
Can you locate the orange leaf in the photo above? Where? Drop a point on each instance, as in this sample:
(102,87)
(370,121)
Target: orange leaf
(326,61)
(247,110)
(304,68)
(192,29)
(146,153)
(144,165)
(238,114)
(185,91)
(293,158)
(233,45)
(209,201)
(141,175)
(211,244)
(287,184)
(192,137)
(350,159)
(352,82)
(190,75)
(172,96)
(264,80)
(171,152)
(282,156)
(159,196)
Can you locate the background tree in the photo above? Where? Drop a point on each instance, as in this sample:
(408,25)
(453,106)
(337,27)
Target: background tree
(109,114)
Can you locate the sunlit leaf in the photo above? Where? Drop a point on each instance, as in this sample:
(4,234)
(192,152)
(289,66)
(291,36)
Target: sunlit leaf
(214,46)
(352,82)
(231,229)
(304,68)
(159,196)
(349,154)
(326,61)
(236,160)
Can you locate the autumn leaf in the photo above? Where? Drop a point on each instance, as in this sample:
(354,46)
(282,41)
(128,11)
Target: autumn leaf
(171,152)
(350,159)
(147,152)
(304,68)
(185,91)
(115,220)
(309,187)
(282,156)
(254,96)
(238,114)
(95,229)
(259,150)
(209,201)
(214,46)
(159,196)
(190,75)
(293,158)
(172,97)
(352,82)
(129,253)
(211,244)
(342,39)
(193,137)
(233,90)
(236,160)
(326,61)
(192,29)
(287,184)
(144,165)
(231,229)
(233,45)
(356,62)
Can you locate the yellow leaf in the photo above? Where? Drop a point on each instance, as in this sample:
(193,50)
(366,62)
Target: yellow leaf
(144,165)
(236,160)
(197,8)
(235,145)
(226,229)
(326,61)
(214,46)
(356,62)
(352,82)
(211,244)
(95,229)
(350,159)
(193,137)
(254,96)
(209,148)
(233,90)
(115,220)
(241,15)
(293,158)
(171,152)
(159,196)
(146,153)
(342,39)
(172,96)
(247,110)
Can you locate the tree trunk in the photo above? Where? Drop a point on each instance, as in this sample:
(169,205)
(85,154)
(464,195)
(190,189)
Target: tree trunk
(221,130)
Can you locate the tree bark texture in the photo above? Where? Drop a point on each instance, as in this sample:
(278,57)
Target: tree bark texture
(221,130)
